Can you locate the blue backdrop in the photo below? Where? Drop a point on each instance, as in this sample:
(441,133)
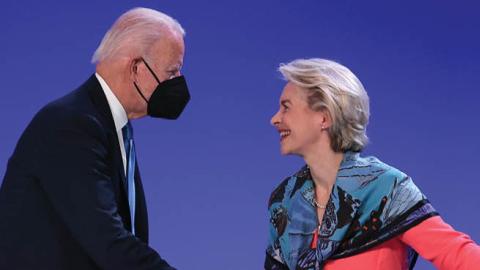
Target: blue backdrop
(208,176)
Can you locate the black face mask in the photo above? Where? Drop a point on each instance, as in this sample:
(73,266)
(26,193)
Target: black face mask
(169,97)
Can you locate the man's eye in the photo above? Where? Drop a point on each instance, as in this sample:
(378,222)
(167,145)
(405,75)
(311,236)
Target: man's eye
(172,74)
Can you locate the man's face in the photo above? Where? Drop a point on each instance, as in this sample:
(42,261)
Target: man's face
(166,60)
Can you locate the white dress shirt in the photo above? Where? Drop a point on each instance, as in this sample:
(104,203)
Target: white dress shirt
(119,116)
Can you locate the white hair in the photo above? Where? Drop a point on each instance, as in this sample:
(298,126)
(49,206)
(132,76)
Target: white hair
(137,29)
(334,88)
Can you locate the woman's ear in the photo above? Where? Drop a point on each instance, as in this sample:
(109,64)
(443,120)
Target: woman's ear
(325,119)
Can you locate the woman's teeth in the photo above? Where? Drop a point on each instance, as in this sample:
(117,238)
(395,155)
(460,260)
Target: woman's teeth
(284,134)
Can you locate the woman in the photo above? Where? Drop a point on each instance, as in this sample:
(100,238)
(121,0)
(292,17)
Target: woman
(343,211)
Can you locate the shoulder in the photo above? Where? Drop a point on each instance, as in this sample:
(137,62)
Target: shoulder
(289,186)
(385,172)
(278,193)
(70,111)
(69,120)
(394,183)
(392,174)
(76,107)
(62,124)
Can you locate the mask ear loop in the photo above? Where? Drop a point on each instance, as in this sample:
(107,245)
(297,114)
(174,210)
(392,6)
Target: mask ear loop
(153,73)
(140,92)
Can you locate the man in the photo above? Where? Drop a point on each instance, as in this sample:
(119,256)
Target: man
(72,197)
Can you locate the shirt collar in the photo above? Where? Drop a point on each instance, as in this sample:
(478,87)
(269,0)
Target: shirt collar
(118,112)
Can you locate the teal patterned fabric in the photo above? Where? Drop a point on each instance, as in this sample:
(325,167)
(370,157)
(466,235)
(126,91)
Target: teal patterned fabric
(370,203)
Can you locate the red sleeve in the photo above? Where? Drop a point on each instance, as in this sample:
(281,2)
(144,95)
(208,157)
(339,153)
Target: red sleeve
(439,243)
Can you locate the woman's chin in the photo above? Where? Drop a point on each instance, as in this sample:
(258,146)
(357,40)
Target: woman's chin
(285,151)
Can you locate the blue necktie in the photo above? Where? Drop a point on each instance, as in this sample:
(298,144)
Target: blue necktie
(127,132)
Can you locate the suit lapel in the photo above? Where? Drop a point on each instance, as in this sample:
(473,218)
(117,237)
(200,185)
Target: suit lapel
(118,174)
(141,217)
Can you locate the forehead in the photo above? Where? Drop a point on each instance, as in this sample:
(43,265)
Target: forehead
(292,93)
(169,50)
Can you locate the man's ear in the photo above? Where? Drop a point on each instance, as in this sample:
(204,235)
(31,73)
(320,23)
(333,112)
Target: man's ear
(134,67)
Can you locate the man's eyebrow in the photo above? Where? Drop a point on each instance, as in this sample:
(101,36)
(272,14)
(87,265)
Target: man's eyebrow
(285,102)
(174,67)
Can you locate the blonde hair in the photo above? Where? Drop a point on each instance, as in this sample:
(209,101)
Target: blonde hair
(137,29)
(334,88)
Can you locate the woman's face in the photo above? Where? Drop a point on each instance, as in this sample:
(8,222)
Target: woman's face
(300,127)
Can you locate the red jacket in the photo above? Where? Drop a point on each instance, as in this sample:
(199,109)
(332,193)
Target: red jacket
(433,239)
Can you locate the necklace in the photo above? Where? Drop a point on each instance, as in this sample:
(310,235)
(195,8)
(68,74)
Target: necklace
(321,206)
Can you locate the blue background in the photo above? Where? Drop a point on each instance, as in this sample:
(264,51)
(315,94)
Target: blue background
(208,176)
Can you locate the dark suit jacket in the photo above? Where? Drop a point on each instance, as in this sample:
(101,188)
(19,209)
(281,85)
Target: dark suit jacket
(63,202)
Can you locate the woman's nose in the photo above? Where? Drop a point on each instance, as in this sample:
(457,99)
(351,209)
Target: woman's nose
(275,119)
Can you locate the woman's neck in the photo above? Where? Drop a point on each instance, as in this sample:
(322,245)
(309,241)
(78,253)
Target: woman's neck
(324,167)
